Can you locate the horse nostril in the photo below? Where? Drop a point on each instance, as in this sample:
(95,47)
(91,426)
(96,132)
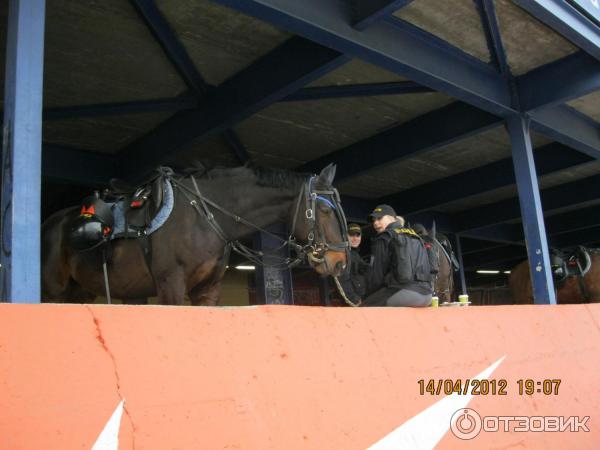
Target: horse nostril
(339,266)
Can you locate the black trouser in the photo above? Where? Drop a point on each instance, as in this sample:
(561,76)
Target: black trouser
(397,297)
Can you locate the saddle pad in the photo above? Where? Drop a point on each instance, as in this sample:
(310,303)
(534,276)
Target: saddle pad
(158,220)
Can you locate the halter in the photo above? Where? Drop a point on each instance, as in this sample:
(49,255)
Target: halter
(316,245)
(316,248)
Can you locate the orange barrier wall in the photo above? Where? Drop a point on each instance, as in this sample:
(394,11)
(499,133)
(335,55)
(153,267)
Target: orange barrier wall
(276,377)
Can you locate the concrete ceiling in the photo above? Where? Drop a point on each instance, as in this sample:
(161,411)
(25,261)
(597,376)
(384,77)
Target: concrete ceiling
(220,41)
(528,43)
(454,21)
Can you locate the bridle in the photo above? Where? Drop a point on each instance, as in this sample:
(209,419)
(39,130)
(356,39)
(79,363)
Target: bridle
(316,245)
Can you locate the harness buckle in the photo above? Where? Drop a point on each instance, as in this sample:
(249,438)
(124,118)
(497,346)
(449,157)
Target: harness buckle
(309,214)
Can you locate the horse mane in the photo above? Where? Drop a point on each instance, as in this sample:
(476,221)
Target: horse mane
(264,176)
(277,177)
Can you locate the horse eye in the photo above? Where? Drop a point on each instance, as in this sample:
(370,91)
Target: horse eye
(325,208)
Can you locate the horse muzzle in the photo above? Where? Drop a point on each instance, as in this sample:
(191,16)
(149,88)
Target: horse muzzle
(328,262)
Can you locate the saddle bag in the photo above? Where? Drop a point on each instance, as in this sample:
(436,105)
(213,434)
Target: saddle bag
(93,226)
(411,260)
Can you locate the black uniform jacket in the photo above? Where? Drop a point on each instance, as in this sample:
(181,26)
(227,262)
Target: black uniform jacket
(354,278)
(381,265)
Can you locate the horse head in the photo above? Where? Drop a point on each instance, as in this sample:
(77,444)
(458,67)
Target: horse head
(319,224)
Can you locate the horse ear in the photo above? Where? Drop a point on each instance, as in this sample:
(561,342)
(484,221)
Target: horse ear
(327,175)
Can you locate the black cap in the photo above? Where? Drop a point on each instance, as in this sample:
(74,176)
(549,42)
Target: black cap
(354,228)
(382,210)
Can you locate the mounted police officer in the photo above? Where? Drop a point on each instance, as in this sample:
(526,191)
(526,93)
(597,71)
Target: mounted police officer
(401,272)
(354,278)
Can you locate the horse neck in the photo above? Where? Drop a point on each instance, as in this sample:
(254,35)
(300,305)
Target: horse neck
(258,205)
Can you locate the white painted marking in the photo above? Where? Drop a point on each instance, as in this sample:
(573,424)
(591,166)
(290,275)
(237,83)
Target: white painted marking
(109,438)
(427,428)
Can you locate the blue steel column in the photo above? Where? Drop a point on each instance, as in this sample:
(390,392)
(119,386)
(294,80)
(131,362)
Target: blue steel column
(461,268)
(531,210)
(273,285)
(22,153)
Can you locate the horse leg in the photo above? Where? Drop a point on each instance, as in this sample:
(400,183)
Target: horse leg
(170,287)
(206,295)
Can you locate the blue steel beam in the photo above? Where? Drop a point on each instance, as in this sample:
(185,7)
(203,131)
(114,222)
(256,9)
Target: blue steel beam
(236,145)
(451,123)
(461,265)
(566,20)
(503,233)
(542,87)
(550,158)
(121,108)
(576,220)
(581,237)
(389,44)
(171,45)
(397,46)
(487,12)
(489,256)
(284,70)
(475,245)
(475,261)
(443,222)
(357,90)
(358,210)
(22,153)
(505,264)
(568,78)
(569,127)
(182,62)
(531,211)
(367,12)
(568,194)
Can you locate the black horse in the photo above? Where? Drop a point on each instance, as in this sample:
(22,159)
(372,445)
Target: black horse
(443,286)
(190,251)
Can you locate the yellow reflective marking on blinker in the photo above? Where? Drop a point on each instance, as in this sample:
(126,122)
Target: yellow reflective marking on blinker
(377,210)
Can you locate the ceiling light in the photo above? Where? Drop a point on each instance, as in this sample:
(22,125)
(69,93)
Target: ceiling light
(489,272)
(506,271)
(245,267)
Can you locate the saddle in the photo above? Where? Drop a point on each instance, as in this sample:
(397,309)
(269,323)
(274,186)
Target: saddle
(569,262)
(444,243)
(124,211)
(141,203)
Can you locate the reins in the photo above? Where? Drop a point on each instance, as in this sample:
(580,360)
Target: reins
(314,251)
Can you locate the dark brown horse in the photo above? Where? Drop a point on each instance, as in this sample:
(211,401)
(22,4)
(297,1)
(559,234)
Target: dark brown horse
(188,256)
(443,286)
(444,282)
(567,292)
